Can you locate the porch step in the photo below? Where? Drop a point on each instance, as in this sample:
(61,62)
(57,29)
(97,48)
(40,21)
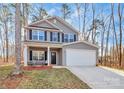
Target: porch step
(59,66)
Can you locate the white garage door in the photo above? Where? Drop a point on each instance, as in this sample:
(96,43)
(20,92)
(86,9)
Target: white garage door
(79,57)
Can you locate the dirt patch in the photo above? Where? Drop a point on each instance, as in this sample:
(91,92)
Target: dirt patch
(27,77)
(12,81)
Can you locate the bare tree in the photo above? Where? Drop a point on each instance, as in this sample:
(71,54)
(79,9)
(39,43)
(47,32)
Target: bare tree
(78,7)
(17,39)
(25,15)
(2,45)
(103,35)
(4,18)
(66,11)
(120,29)
(114,31)
(38,13)
(107,40)
(93,23)
(84,21)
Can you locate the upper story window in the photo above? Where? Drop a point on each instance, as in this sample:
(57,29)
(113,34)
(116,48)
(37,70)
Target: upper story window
(41,35)
(35,35)
(38,35)
(54,36)
(69,37)
(65,37)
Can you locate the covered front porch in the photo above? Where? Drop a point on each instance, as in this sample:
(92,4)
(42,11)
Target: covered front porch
(42,55)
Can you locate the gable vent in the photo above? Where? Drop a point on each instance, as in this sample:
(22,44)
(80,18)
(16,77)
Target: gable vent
(54,21)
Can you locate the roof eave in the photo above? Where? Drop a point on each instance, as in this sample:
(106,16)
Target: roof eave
(93,45)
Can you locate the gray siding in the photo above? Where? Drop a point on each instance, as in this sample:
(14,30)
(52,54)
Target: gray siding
(65,28)
(80,46)
(44,24)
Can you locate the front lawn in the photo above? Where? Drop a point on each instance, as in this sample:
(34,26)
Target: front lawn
(4,72)
(54,78)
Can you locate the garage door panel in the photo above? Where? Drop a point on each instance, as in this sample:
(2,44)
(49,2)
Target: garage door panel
(79,57)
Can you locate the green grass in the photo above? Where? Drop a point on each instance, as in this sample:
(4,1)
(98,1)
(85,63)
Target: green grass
(47,79)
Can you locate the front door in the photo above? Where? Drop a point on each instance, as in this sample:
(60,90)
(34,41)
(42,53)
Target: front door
(53,57)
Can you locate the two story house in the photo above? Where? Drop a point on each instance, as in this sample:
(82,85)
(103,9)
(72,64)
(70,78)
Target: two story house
(53,41)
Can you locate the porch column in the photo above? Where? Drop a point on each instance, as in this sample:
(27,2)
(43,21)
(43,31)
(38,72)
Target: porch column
(48,55)
(25,55)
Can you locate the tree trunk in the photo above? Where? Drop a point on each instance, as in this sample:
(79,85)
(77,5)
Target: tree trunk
(120,29)
(2,44)
(25,17)
(115,35)
(6,36)
(107,39)
(78,12)
(84,18)
(93,30)
(102,43)
(17,40)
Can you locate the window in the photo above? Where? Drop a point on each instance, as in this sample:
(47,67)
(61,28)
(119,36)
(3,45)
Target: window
(41,35)
(55,36)
(35,55)
(65,37)
(41,55)
(71,38)
(68,37)
(35,35)
(38,35)
(38,55)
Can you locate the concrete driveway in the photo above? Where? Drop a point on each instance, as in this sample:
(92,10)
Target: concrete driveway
(98,78)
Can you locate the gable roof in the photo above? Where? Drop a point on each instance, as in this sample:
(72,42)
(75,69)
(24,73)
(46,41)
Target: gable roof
(85,42)
(57,18)
(35,23)
(44,20)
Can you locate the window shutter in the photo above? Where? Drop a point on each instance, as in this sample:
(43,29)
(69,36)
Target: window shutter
(30,34)
(30,55)
(45,55)
(50,36)
(62,37)
(45,34)
(74,37)
(58,37)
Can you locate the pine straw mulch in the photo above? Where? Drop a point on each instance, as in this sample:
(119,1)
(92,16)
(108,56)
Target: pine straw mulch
(30,68)
(12,81)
